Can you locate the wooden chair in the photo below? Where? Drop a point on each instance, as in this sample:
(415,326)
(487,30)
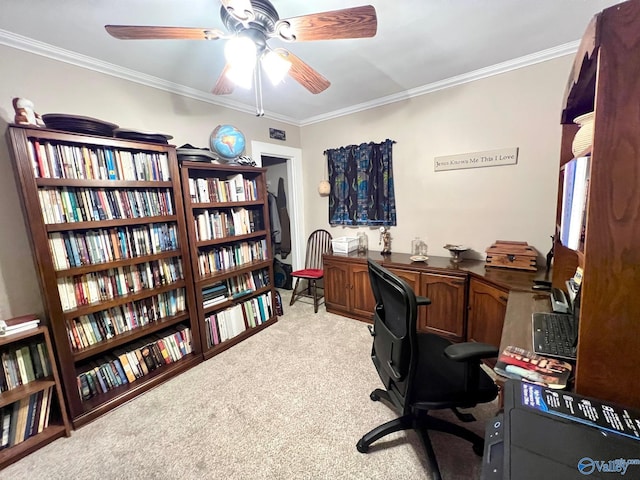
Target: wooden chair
(318,243)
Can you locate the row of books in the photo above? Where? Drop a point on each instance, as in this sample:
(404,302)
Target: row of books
(25,418)
(220,224)
(68,204)
(575,190)
(108,284)
(235,188)
(75,249)
(23,364)
(229,323)
(58,160)
(128,364)
(87,330)
(248,281)
(218,259)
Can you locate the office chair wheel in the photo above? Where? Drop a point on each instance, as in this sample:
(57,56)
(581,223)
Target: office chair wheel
(478,449)
(362,448)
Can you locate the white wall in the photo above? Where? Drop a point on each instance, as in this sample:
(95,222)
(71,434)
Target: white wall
(473,207)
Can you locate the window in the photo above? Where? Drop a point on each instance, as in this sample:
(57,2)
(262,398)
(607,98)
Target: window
(361,178)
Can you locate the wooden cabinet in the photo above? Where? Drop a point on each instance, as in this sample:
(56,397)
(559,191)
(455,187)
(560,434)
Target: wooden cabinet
(348,292)
(604,79)
(41,393)
(486,310)
(446,315)
(347,287)
(231,253)
(107,230)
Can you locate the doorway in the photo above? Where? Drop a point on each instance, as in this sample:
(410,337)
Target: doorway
(286,162)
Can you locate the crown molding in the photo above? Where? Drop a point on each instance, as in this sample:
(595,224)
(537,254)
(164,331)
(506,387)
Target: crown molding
(525,61)
(46,50)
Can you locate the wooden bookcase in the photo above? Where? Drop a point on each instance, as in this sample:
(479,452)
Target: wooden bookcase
(108,234)
(224,249)
(604,79)
(42,392)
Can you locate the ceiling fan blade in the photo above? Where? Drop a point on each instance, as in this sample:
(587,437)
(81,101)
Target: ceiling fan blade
(224,85)
(356,22)
(242,10)
(137,32)
(303,73)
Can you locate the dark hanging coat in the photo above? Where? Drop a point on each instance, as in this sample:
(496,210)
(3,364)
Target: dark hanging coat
(285,239)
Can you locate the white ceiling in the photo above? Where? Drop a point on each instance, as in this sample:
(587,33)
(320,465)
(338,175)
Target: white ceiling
(420,45)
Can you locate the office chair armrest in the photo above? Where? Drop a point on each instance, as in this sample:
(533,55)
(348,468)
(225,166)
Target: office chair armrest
(423,300)
(463,352)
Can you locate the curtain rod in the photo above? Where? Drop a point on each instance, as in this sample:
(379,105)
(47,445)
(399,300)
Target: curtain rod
(364,143)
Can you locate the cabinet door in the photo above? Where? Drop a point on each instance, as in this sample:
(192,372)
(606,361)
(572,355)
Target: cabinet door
(487,307)
(446,314)
(336,285)
(362,300)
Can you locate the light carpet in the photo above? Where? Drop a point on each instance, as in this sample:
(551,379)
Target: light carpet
(288,403)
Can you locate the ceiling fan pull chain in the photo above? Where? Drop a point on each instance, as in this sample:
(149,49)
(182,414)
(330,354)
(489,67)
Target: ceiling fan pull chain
(258,89)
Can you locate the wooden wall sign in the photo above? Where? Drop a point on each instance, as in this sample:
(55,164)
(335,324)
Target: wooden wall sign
(489,158)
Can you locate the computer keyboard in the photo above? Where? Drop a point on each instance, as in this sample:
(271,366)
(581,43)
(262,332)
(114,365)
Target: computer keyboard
(553,335)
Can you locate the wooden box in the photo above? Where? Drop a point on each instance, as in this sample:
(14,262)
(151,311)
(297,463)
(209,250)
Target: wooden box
(517,255)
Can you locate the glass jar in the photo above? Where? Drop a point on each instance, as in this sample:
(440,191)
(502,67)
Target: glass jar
(415,246)
(422,249)
(363,242)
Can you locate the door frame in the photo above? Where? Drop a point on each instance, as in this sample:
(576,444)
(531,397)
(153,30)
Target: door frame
(295,202)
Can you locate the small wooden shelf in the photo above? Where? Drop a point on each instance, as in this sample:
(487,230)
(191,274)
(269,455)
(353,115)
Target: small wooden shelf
(58,422)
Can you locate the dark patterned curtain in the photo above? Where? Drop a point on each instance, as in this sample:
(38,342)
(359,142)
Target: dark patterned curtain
(361,178)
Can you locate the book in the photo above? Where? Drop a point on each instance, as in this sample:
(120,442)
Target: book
(521,364)
(18,324)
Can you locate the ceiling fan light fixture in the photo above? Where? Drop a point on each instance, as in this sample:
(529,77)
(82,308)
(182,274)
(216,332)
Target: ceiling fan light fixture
(240,51)
(275,66)
(241,75)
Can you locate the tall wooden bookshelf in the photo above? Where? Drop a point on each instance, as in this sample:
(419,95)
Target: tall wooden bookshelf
(108,234)
(604,80)
(32,393)
(228,226)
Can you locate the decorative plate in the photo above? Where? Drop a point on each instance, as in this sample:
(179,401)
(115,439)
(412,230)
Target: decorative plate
(227,142)
(78,124)
(419,258)
(142,136)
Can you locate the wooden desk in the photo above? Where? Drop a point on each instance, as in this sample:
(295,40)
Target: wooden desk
(517,329)
(517,321)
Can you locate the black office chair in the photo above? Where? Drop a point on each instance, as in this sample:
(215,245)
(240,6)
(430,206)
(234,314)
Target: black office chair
(422,372)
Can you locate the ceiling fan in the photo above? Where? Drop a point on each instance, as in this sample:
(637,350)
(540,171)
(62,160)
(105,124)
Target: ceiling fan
(251,23)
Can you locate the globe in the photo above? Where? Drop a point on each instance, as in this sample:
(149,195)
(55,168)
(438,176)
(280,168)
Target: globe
(227,142)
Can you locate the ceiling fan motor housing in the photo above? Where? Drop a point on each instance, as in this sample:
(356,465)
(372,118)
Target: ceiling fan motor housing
(265,18)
